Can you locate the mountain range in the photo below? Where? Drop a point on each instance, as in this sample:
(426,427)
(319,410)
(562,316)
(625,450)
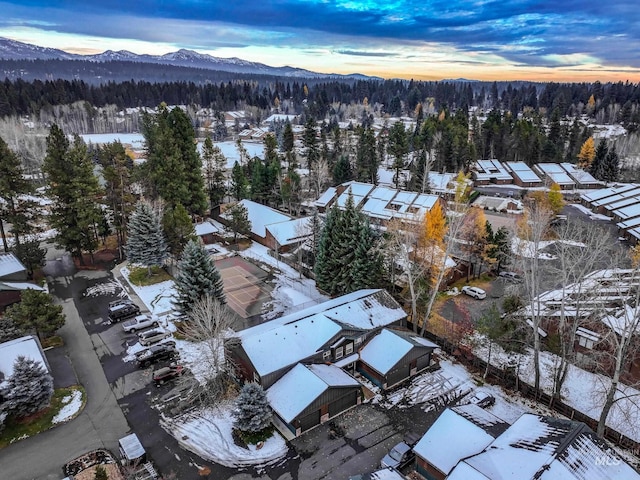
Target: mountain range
(14,50)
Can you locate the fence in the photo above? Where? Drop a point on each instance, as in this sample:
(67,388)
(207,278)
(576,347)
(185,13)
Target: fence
(508,378)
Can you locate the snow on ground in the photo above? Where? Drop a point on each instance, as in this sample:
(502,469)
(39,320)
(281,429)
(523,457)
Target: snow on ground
(72,405)
(110,288)
(208,433)
(582,390)
(526,249)
(585,210)
(198,357)
(158,298)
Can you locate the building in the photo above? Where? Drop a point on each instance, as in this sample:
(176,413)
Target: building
(380,204)
(523,176)
(487,172)
(272,228)
(554,173)
(11,269)
(467,443)
(28,347)
(583,179)
(309,395)
(393,356)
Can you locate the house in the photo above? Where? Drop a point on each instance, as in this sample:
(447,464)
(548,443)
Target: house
(582,178)
(309,395)
(598,198)
(522,175)
(27,346)
(543,448)
(326,333)
(272,228)
(468,430)
(490,171)
(393,356)
(207,232)
(380,204)
(554,173)
(499,204)
(11,292)
(11,269)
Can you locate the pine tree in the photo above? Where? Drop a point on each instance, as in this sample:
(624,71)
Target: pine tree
(342,170)
(36,312)
(239,182)
(398,147)
(238,220)
(146,244)
(14,209)
(9,330)
(178,228)
(215,166)
(29,388)
(252,412)
(197,277)
(74,190)
(612,165)
(599,166)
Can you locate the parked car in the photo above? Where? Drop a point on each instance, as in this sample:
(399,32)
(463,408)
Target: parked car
(120,301)
(482,399)
(139,322)
(122,311)
(165,374)
(155,353)
(474,292)
(154,335)
(398,457)
(509,276)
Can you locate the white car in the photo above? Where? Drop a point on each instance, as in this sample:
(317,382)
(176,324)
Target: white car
(149,337)
(474,292)
(139,322)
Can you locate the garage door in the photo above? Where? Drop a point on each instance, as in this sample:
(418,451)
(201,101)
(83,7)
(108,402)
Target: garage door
(341,404)
(310,420)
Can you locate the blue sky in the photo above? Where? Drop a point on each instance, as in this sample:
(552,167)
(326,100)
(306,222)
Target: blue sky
(562,40)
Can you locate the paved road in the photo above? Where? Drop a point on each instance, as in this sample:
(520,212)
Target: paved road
(99,425)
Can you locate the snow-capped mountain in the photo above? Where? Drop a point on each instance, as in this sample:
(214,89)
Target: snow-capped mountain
(12,50)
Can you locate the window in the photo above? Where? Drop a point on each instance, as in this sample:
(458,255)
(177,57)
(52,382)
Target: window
(585,342)
(256,377)
(326,355)
(358,340)
(348,349)
(339,352)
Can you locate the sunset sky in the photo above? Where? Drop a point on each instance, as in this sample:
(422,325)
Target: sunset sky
(559,40)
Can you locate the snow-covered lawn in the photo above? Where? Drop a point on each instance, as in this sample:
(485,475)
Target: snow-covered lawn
(208,433)
(72,405)
(158,298)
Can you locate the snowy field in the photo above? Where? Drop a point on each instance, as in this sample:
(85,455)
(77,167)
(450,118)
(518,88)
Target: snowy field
(136,140)
(72,405)
(157,298)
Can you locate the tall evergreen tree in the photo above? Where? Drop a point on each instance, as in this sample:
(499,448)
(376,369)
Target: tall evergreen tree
(342,171)
(239,183)
(398,147)
(146,244)
(599,165)
(238,220)
(197,277)
(178,228)
(29,388)
(215,166)
(612,165)
(14,208)
(173,168)
(252,412)
(74,190)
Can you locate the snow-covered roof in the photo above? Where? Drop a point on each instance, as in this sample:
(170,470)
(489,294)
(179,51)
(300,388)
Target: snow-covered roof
(260,216)
(603,193)
(26,346)
(555,173)
(301,385)
(468,430)
(387,348)
(579,175)
(9,264)
(357,190)
(326,197)
(534,446)
(279,117)
(629,211)
(523,172)
(8,286)
(442,182)
(205,228)
(291,231)
(287,340)
(491,169)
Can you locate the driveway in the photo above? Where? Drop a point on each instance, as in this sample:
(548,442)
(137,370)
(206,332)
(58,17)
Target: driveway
(100,424)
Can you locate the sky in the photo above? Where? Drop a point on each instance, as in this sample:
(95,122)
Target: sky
(541,40)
